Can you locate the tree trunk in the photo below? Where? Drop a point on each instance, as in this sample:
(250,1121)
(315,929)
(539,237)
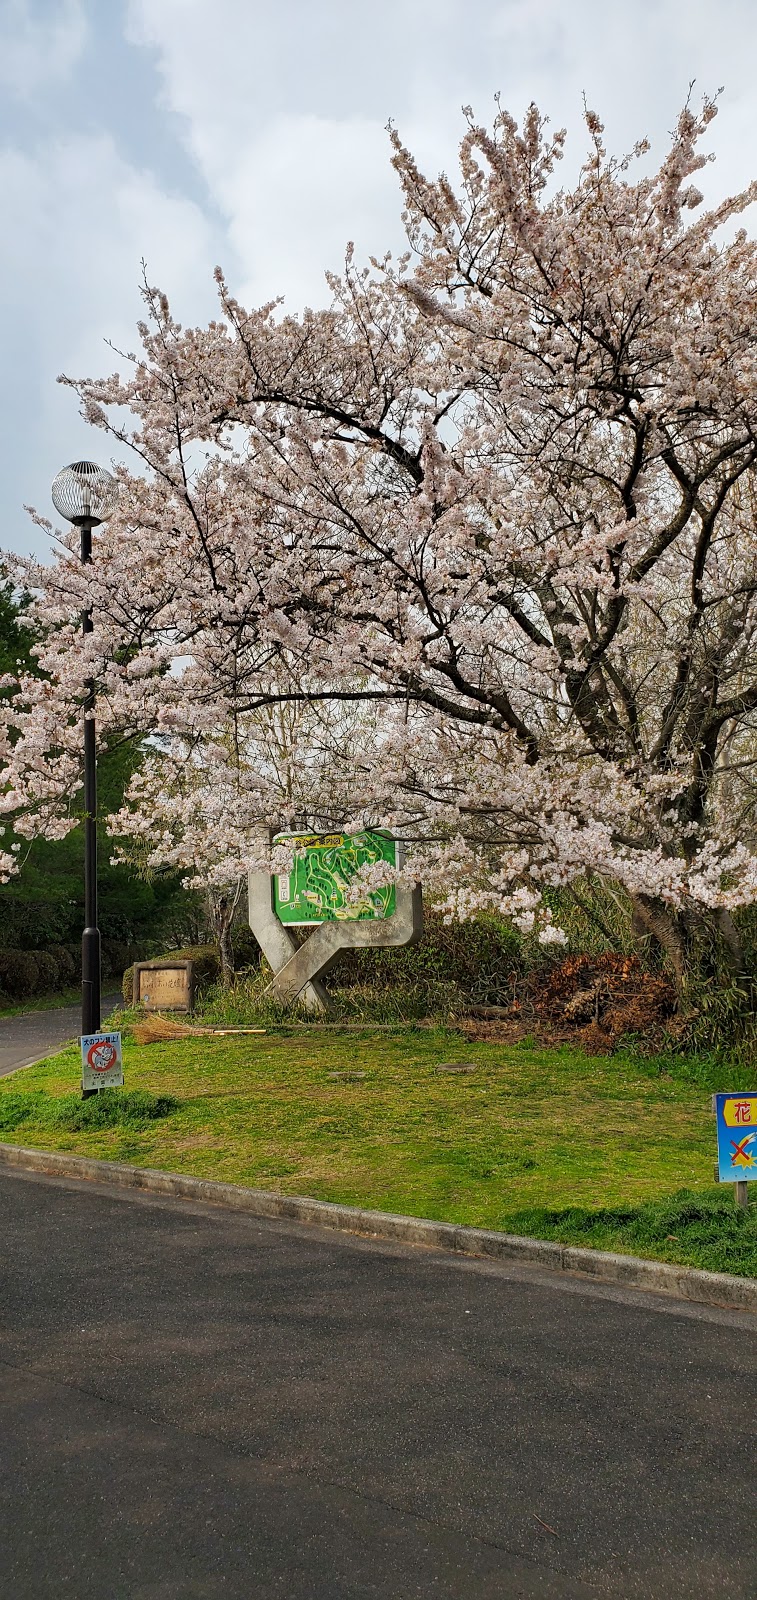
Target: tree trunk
(675,933)
(652,919)
(729,934)
(224,917)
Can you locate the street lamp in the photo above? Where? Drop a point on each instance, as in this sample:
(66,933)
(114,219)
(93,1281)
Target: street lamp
(86,495)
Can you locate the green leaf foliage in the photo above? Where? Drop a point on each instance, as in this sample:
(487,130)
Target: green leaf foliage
(44,904)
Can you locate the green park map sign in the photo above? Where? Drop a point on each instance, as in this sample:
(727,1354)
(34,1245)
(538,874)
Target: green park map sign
(324,865)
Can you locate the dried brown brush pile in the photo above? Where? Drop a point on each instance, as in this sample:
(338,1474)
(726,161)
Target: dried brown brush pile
(592,1000)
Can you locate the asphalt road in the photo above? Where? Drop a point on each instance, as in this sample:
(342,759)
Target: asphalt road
(200,1406)
(28,1038)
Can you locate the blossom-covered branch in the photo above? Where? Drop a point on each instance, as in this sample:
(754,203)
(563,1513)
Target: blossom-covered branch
(498,498)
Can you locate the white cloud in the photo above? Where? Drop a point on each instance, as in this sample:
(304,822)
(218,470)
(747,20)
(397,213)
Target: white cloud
(78,219)
(296,195)
(39,47)
(283,109)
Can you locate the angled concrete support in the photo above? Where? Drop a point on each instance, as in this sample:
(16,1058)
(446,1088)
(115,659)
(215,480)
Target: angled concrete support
(314,958)
(275,941)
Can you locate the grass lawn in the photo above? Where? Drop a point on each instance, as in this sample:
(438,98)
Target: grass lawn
(553,1143)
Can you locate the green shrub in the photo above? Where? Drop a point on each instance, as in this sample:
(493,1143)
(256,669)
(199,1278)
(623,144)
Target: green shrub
(48,971)
(596,917)
(19,973)
(453,966)
(246,948)
(25,973)
(481,958)
(115,957)
(68,968)
(207,965)
(247,1005)
(720,1015)
(131,1108)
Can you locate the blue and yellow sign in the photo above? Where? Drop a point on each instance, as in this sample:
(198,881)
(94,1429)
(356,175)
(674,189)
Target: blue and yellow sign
(737,1137)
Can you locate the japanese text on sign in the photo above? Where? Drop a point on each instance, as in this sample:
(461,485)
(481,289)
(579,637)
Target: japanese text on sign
(101,1061)
(737,1137)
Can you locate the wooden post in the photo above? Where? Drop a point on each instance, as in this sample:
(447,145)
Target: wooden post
(742,1195)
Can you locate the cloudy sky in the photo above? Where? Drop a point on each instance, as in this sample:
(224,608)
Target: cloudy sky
(251,133)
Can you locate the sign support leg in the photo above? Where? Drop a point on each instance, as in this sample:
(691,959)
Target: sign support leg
(742,1195)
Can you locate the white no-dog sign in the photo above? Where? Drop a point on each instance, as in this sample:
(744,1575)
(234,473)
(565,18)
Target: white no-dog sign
(101,1062)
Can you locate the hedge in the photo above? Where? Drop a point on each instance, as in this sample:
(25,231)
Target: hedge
(481,956)
(26,973)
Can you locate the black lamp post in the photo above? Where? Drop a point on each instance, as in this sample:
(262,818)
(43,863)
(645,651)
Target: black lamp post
(86,495)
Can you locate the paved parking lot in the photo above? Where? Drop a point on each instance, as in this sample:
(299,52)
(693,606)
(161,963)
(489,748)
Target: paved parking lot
(200,1405)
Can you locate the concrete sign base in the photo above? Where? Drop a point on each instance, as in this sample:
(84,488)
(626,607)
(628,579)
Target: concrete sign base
(299,968)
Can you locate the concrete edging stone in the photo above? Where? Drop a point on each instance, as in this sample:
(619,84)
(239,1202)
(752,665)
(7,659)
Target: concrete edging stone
(629,1272)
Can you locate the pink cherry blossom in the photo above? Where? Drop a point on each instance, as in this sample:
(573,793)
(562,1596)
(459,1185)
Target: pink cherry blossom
(470,554)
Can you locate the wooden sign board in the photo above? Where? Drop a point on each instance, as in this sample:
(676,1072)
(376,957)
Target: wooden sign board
(164,985)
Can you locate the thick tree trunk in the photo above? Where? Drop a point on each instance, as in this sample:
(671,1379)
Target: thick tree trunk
(652,919)
(675,933)
(729,934)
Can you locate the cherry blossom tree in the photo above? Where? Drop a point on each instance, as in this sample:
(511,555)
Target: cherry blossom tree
(490,515)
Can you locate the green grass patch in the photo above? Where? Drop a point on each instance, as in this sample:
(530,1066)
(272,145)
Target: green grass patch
(111,1108)
(547,1142)
(704,1228)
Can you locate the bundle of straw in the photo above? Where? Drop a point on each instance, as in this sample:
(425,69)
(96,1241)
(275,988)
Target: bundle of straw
(160,1030)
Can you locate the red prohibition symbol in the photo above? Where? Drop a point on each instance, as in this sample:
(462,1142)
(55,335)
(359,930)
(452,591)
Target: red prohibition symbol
(102,1056)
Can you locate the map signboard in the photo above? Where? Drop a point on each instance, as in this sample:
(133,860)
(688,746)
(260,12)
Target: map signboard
(101,1063)
(737,1137)
(316,888)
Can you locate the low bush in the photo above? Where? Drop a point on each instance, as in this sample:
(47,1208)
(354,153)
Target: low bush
(115,957)
(111,1108)
(19,974)
(720,1015)
(596,917)
(247,1005)
(48,971)
(68,967)
(247,952)
(481,958)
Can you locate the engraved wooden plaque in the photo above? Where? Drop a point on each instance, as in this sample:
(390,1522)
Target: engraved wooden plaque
(164,985)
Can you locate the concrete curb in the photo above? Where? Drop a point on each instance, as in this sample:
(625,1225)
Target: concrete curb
(629,1272)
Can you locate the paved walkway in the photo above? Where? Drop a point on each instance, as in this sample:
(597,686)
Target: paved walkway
(202,1406)
(26,1039)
